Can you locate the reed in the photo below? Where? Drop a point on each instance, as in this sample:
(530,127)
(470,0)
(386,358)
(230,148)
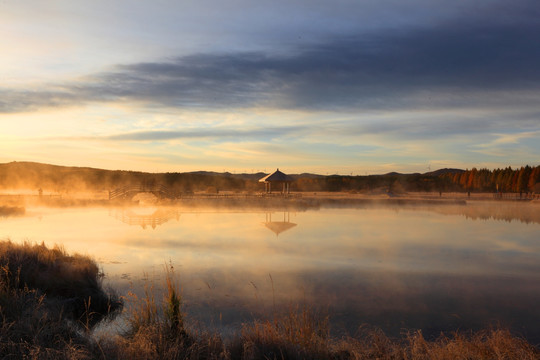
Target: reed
(72,282)
(298,334)
(48,302)
(157,329)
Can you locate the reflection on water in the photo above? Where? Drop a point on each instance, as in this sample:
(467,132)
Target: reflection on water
(507,211)
(137,217)
(433,268)
(279,226)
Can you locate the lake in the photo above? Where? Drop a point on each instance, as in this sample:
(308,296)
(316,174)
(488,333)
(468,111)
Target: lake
(430,267)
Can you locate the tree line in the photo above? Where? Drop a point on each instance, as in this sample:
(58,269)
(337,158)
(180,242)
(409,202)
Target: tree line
(60,179)
(524,179)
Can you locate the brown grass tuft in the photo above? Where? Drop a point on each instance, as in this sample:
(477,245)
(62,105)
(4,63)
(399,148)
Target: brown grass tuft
(70,282)
(299,334)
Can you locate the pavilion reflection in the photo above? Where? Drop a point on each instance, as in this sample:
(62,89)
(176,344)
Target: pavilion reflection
(279,226)
(154,219)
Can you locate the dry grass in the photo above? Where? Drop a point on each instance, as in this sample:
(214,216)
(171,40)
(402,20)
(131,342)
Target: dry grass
(157,329)
(48,303)
(309,340)
(298,334)
(29,329)
(488,344)
(72,281)
(34,324)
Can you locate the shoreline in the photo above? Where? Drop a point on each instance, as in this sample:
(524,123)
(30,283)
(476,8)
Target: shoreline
(101,198)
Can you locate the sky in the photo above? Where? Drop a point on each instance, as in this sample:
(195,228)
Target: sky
(329,87)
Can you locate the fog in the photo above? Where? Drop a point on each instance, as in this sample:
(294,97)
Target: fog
(435,266)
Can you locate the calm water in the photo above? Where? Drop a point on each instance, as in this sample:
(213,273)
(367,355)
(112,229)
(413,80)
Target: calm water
(430,268)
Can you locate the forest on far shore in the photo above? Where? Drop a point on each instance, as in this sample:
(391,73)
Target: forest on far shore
(65,180)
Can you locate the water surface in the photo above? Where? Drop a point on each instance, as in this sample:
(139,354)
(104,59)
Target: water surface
(435,268)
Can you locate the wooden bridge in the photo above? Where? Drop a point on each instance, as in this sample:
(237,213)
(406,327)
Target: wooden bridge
(129,191)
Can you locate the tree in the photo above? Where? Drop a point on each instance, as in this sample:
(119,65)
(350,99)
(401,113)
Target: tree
(534,178)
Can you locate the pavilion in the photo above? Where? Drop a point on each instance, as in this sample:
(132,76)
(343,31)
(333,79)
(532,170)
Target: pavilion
(277,178)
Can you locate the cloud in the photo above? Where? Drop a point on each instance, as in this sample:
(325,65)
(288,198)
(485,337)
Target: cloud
(205,133)
(470,62)
(501,144)
(515,138)
(426,67)
(413,125)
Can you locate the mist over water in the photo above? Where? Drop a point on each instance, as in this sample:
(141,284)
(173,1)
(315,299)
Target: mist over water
(435,268)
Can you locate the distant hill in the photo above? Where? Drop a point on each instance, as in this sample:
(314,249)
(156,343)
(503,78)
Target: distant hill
(65,179)
(444,171)
(245,176)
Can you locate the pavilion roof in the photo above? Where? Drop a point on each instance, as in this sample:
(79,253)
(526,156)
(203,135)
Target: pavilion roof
(277,176)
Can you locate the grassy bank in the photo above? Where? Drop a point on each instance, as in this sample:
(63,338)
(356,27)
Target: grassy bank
(50,301)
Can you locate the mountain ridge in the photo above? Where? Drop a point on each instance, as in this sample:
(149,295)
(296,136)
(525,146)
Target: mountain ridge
(210,173)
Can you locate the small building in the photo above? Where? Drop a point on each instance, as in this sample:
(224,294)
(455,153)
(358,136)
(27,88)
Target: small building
(276,179)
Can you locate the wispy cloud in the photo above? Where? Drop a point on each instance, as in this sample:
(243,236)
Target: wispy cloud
(238,134)
(515,138)
(507,145)
(445,65)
